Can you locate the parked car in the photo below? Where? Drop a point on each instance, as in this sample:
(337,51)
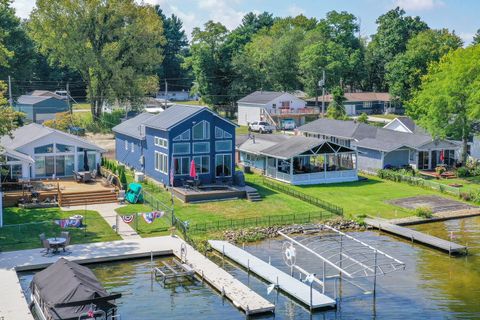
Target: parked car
(288,124)
(261,127)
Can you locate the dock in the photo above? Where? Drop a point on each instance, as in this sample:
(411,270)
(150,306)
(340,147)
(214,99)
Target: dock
(285,282)
(416,236)
(13,305)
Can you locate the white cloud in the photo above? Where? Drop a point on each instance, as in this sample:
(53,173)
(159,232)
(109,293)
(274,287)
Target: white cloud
(295,10)
(419,5)
(466,37)
(221,11)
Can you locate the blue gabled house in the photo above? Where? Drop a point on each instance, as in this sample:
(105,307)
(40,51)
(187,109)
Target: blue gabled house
(167,142)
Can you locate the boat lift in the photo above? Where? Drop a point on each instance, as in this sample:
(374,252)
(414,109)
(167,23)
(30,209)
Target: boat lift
(341,255)
(174,273)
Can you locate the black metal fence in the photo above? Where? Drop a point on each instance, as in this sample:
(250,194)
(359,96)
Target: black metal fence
(304,197)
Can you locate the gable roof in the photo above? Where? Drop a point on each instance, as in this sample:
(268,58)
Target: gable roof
(389,140)
(33,131)
(408,124)
(339,128)
(131,127)
(283,146)
(359,97)
(26,99)
(261,97)
(46,93)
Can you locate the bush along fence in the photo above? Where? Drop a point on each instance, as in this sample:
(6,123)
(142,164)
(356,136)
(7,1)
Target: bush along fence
(304,197)
(415,181)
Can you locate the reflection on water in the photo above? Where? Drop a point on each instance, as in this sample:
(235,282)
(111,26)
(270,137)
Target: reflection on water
(433,286)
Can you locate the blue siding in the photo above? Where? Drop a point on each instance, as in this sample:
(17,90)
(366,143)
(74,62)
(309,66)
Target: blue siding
(127,157)
(150,148)
(48,106)
(369,159)
(398,158)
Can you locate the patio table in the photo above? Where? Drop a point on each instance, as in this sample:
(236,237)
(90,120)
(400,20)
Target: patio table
(56,243)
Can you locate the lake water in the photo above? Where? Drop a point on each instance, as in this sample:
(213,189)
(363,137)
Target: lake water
(433,286)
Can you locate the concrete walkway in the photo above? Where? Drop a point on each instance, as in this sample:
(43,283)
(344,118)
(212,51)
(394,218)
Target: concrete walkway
(107,211)
(13,305)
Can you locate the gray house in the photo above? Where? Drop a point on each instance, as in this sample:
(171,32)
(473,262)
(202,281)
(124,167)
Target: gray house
(379,148)
(40,108)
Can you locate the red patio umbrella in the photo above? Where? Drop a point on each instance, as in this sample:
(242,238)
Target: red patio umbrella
(193,171)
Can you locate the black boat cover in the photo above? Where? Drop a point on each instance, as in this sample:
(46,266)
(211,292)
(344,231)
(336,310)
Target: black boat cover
(66,282)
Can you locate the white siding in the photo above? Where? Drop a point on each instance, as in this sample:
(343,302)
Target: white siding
(248,114)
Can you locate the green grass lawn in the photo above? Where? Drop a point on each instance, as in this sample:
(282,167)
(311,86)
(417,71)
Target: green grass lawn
(158,227)
(35,221)
(385,116)
(191,102)
(241,130)
(273,204)
(81,106)
(468,183)
(367,197)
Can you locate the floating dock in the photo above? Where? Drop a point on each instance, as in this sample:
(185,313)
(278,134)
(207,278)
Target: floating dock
(294,287)
(434,242)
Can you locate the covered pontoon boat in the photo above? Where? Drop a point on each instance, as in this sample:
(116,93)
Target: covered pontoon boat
(68,291)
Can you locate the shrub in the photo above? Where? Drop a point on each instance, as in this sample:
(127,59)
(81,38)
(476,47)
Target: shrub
(463,172)
(123,179)
(424,212)
(465,196)
(363,118)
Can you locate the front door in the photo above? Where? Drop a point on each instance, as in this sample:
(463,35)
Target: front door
(435,155)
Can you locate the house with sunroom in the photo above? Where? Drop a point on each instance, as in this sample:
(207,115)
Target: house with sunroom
(163,145)
(37,152)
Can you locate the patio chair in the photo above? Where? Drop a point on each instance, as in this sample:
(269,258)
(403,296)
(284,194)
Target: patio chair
(46,246)
(64,234)
(121,196)
(108,180)
(76,176)
(42,237)
(94,174)
(66,243)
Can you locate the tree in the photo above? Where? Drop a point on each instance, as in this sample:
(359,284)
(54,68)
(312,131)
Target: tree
(404,72)
(336,109)
(448,102)
(210,61)
(476,38)
(393,32)
(114,45)
(8,116)
(175,49)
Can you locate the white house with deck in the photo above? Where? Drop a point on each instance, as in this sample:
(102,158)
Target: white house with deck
(35,151)
(272,106)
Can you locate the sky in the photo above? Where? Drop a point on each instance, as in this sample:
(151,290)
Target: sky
(458,15)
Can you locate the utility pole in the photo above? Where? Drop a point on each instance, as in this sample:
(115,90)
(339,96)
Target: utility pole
(323,93)
(10,98)
(68,99)
(166,92)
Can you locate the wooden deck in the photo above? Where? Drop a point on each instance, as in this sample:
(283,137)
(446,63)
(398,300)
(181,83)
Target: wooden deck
(416,236)
(204,195)
(294,287)
(13,305)
(49,189)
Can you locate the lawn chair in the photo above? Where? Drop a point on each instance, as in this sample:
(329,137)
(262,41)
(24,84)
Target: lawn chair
(121,196)
(94,174)
(64,234)
(46,246)
(108,180)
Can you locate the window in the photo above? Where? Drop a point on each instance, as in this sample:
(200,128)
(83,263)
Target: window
(132,147)
(160,142)
(161,162)
(181,148)
(223,165)
(181,166)
(126,145)
(185,136)
(64,148)
(222,134)
(202,164)
(201,147)
(44,149)
(223,145)
(201,131)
